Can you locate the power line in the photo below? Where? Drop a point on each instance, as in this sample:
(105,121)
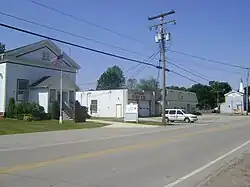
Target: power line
(92,50)
(128,37)
(206,59)
(125,36)
(214,68)
(185,77)
(143,67)
(80,46)
(85,21)
(71,34)
(135,66)
(188,71)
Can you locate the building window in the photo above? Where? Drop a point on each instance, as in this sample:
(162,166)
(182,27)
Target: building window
(93,106)
(45,56)
(22,90)
(52,95)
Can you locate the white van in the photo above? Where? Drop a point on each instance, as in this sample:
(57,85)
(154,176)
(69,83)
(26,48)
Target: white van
(179,115)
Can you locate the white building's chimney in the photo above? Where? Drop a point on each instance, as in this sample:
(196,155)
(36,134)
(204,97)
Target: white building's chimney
(241,87)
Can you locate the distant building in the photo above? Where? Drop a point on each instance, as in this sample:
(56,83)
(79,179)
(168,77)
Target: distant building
(235,101)
(179,99)
(112,103)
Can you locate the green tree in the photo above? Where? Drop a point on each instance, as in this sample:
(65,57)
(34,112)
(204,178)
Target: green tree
(2,48)
(203,93)
(207,95)
(131,83)
(219,89)
(11,111)
(177,88)
(148,84)
(113,78)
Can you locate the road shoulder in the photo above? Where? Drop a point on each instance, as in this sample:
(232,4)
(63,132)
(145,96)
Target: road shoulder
(233,174)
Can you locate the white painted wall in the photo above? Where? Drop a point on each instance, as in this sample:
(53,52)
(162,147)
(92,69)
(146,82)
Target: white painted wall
(43,100)
(38,56)
(233,101)
(2,87)
(15,71)
(106,101)
(40,96)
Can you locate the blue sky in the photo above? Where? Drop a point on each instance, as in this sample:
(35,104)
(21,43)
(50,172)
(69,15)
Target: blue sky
(213,29)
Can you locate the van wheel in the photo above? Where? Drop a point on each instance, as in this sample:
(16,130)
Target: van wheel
(187,120)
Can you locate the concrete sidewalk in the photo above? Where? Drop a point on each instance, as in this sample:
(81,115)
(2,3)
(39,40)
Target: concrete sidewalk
(122,124)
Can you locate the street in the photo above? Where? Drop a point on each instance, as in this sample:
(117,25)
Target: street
(179,155)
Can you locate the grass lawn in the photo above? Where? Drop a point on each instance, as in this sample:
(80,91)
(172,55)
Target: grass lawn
(11,126)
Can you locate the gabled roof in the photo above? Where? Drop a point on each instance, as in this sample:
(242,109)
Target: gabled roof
(35,84)
(234,91)
(54,82)
(21,51)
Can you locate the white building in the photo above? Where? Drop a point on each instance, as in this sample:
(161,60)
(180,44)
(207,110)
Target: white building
(112,103)
(235,101)
(27,74)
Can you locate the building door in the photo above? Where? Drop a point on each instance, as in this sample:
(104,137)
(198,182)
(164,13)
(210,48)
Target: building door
(188,108)
(64,96)
(118,111)
(144,108)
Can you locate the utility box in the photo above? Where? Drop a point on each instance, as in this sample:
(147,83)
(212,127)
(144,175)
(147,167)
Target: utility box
(131,113)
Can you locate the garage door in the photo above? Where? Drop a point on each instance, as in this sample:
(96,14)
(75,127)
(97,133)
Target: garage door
(144,108)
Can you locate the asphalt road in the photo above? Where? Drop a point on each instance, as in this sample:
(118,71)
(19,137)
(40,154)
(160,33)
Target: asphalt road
(181,155)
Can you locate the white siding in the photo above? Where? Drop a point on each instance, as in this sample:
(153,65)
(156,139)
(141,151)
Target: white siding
(40,96)
(106,101)
(233,101)
(38,56)
(2,87)
(15,71)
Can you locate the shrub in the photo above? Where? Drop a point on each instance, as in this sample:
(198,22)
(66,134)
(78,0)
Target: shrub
(81,112)
(34,109)
(55,110)
(11,111)
(37,111)
(27,117)
(19,116)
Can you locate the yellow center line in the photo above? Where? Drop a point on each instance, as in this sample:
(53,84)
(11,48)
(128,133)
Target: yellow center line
(23,167)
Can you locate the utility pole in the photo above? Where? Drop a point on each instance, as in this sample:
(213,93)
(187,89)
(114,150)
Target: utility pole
(161,36)
(247,92)
(217,98)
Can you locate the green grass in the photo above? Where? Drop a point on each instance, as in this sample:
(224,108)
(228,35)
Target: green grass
(11,126)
